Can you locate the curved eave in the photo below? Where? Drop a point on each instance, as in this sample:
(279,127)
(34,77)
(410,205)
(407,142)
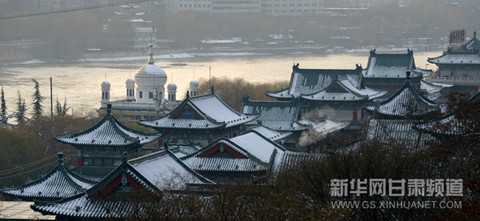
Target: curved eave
(79,143)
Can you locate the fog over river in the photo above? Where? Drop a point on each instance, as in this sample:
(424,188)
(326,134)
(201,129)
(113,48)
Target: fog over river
(80,81)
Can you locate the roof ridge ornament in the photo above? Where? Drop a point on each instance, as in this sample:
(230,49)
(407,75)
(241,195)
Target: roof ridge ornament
(213,90)
(60,158)
(109,108)
(150,52)
(408,75)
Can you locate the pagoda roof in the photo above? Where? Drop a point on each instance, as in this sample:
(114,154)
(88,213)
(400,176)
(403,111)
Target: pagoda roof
(309,81)
(396,132)
(108,132)
(59,183)
(276,115)
(201,112)
(390,65)
(406,101)
(344,89)
(245,153)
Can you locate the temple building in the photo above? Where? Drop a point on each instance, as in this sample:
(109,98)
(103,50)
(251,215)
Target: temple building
(247,158)
(337,95)
(406,103)
(57,184)
(145,94)
(387,71)
(200,120)
(100,148)
(459,67)
(131,187)
(281,116)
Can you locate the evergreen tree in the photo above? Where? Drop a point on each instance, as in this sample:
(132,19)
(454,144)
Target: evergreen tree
(4,116)
(21,110)
(37,100)
(62,110)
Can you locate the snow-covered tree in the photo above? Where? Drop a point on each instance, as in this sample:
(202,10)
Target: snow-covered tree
(37,99)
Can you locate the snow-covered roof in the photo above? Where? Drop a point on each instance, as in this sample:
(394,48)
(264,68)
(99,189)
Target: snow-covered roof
(390,65)
(248,152)
(396,132)
(108,132)
(59,183)
(273,135)
(451,57)
(94,203)
(329,126)
(406,101)
(276,115)
(309,81)
(164,170)
(201,112)
(344,89)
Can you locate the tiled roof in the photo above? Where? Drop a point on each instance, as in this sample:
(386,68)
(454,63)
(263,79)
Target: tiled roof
(406,101)
(166,171)
(291,160)
(139,173)
(345,90)
(57,184)
(451,57)
(273,135)
(309,81)
(276,115)
(396,132)
(450,126)
(213,114)
(258,153)
(390,65)
(108,132)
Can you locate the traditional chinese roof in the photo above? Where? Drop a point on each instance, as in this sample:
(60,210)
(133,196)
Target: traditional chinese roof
(166,171)
(344,89)
(201,112)
(396,132)
(276,115)
(104,200)
(110,197)
(273,135)
(457,57)
(328,126)
(310,81)
(468,53)
(108,132)
(59,183)
(406,101)
(289,161)
(245,153)
(390,65)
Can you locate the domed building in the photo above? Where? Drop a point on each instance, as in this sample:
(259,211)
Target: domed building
(145,95)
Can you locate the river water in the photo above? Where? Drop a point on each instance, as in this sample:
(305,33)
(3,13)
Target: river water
(79,82)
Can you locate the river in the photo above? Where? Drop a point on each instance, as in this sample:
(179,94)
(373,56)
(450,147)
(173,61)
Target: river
(79,82)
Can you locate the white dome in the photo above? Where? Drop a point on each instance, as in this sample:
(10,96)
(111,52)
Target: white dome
(105,85)
(194,84)
(172,87)
(150,75)
(130,82)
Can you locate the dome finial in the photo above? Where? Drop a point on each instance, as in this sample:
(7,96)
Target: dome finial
(150,52)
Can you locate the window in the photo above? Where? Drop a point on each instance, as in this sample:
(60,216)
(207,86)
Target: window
(150,95)
(140,94)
